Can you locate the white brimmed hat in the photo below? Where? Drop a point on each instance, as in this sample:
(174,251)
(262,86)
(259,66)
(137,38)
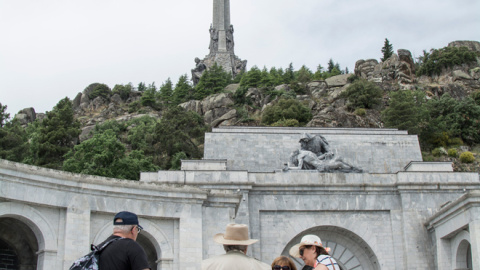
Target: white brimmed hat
(235,234)
(307,240)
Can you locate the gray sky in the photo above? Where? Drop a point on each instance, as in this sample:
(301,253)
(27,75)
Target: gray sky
(51,49)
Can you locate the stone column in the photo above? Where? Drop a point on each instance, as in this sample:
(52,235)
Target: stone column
(47,260)
(190,237)
(474,228)
(77,230)
(221,22)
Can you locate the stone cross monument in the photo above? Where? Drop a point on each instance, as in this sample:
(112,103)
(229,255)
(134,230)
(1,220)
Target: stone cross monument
(221,44)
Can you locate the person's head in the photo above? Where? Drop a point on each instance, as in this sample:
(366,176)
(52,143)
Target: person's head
(309,248)
(197,60)
(125,224)
(235,238)
(305,138)
(283,263)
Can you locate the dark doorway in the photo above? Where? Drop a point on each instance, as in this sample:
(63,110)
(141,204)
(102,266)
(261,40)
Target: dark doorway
(149,249)
(18,244)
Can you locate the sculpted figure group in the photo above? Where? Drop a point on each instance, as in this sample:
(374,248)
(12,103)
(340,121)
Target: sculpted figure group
(315,154)
(197,72)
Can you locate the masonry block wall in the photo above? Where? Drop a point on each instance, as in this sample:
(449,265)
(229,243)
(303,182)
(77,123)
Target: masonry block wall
(373,150)
(385,218)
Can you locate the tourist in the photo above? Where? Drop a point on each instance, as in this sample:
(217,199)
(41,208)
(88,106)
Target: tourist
(124,253)
(235,241)
(312,252)
(283,263)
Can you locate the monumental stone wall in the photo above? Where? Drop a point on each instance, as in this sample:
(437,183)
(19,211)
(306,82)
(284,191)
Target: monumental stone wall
(406,214)
(373,150)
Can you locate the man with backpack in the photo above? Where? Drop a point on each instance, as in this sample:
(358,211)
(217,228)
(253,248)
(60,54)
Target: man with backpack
(123,253)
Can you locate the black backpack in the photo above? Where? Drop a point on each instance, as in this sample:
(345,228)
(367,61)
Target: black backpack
(90,261)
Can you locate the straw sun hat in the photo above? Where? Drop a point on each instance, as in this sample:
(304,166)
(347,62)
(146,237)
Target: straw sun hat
(307,240)
(235,234)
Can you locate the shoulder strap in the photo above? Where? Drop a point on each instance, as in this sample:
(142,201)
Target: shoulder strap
(333,265)
(100,248)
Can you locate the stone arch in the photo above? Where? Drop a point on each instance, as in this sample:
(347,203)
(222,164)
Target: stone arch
(461,251)
(18,243)
(150,235)
(41,230)
(349,249)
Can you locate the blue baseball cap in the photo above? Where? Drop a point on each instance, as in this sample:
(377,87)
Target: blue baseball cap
(128,218)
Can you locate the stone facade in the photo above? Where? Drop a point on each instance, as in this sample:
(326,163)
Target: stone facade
(401,213)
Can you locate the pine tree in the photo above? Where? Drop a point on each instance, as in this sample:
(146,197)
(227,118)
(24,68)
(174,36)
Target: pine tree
(183,90)
(212,81)
(13,141)
(149,96)
(387,50)
(330,65)
(289,74)
(404,111)
(318,75)
(266,79)
(166,91)
(252,78)
(57,135)
(276,75)
(141,87)
(4,116)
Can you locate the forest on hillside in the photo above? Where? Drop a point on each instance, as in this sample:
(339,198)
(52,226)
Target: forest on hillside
(448,127)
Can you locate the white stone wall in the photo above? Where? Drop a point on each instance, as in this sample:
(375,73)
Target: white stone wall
(373,150)
(390,219)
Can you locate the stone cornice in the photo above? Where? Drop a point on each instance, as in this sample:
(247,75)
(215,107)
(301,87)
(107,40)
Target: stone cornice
(54,180)
(468,200)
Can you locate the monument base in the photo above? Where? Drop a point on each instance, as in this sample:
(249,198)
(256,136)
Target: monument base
(229,62)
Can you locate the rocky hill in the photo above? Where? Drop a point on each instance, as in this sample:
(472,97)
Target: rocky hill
(323,97)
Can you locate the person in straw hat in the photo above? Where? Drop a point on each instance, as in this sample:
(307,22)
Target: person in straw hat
(235,241)
(312,252)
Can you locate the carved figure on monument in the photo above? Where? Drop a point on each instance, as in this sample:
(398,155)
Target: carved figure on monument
(317,144)
(230,42)
(197,72)
(240,66)
(315,154)
(213,40)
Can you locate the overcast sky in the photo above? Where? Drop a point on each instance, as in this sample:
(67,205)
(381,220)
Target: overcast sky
(51,49)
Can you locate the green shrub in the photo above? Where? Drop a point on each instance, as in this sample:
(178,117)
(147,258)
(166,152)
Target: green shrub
(437,152)
(286,109)
(286,123)
(100,90)
(360,112)
(467,157)
(455,141)
(177,160)
(427,156)
(437,60)
(123,90)
(363,94)
(352,78)
(476,96)
(452,152)
(134,106)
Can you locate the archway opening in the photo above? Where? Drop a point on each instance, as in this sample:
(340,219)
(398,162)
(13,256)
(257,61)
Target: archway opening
(349,250)
(149,250)
(464,256)
(19,243)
